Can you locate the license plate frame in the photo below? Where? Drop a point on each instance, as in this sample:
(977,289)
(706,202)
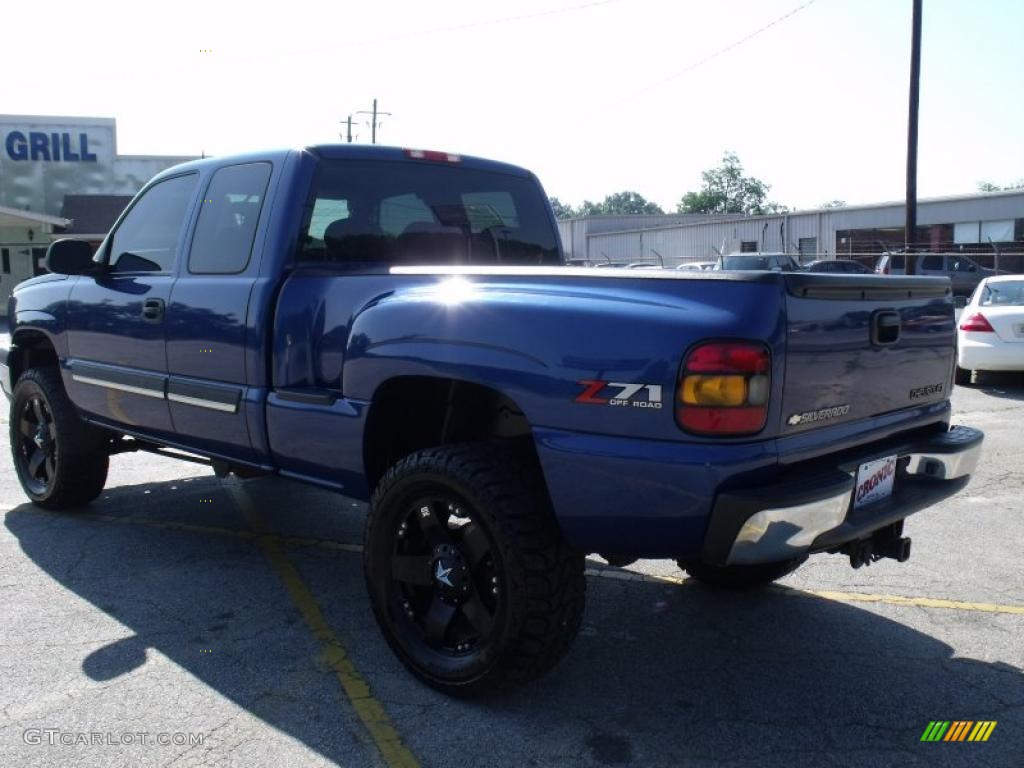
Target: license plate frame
(876,480)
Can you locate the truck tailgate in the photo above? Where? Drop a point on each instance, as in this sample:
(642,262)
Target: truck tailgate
(862,345)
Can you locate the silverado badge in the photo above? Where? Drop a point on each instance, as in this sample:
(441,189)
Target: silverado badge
(822,414)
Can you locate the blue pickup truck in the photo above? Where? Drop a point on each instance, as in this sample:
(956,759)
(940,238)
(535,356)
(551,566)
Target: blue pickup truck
(399,326)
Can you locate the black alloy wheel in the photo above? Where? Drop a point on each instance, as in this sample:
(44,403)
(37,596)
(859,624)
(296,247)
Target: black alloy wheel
(469,578)
(444,577)
(61,461)
(36,450)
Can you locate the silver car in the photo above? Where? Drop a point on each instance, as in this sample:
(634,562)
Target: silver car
(963,272)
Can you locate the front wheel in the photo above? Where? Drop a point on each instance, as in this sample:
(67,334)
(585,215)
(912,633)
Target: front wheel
(469,578)
(61,460)
(740,576)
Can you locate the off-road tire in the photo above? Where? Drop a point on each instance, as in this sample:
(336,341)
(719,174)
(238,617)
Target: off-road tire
(80,457)
(542,579)
(739,577)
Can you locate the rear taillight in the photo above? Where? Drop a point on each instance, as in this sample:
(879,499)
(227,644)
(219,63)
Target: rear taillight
(977,323)
(432,155)
(723,388)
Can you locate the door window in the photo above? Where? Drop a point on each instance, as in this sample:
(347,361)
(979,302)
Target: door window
(224,234)
(932,263)
(148,236)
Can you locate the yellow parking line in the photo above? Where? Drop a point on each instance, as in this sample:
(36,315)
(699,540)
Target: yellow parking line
(918,602)
(606,572)
(367,707)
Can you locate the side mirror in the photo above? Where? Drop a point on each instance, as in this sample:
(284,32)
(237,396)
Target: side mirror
(69,257)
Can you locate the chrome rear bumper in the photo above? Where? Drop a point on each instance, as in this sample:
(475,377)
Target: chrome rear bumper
(816,513)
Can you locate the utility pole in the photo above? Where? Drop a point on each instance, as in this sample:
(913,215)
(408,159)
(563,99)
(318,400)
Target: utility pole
(348,132)
(910,231)
(374,122)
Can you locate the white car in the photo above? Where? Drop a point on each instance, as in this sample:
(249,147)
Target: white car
(696,266)
(991,335)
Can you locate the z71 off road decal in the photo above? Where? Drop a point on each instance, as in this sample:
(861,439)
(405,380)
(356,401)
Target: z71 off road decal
(620,393)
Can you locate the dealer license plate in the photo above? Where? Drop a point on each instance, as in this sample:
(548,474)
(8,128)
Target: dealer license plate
(874,481)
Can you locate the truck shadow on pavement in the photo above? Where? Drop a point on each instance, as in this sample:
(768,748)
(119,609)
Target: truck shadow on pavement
(662,674)
(1004,385)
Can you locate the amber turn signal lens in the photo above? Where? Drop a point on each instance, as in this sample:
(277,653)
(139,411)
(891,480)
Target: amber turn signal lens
(714,390)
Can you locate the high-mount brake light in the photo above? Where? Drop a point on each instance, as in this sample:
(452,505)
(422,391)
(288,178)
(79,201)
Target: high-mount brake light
(723,388)
(432,155)
(977,323)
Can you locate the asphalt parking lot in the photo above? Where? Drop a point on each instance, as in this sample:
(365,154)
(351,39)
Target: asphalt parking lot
(182,604)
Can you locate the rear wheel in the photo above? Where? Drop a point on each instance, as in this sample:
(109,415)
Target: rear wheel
(740,576)
(963,376)
(61,461)
(470,580)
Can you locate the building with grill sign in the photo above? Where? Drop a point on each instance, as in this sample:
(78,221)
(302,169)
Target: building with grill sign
(61,176)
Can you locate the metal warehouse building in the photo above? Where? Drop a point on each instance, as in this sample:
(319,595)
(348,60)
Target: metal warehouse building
(979,224)
(61,176)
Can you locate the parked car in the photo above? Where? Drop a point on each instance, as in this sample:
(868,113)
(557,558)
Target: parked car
(991,334)
(838,266)
(775,262)
(399,326)
(643,265)
(964,273)
(697,266)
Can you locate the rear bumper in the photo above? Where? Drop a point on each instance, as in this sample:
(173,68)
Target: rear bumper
(978,355)
(813,511)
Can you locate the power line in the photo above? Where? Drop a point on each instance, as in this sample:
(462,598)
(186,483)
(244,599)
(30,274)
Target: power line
(169,66)
(362,43)
(521,17)
(716,54)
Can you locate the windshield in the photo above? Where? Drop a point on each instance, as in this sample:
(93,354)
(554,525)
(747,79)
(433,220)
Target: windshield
(411,213)
(1008,293)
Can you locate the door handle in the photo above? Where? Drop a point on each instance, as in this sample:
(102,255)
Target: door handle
(153,310)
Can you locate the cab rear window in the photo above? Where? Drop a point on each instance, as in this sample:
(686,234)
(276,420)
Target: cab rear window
(407,213)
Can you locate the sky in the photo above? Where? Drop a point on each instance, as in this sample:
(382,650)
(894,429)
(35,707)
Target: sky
(594,96)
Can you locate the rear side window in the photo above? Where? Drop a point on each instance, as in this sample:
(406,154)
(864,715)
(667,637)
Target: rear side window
(224,234)
(1003,294)
(409,213)
(932,263)
(147,238)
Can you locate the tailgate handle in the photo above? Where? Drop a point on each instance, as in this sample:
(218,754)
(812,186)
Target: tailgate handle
(885,327)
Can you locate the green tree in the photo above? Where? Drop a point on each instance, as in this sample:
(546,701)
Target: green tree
(727,190)
(562,210)
(988,186)
(619,203)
